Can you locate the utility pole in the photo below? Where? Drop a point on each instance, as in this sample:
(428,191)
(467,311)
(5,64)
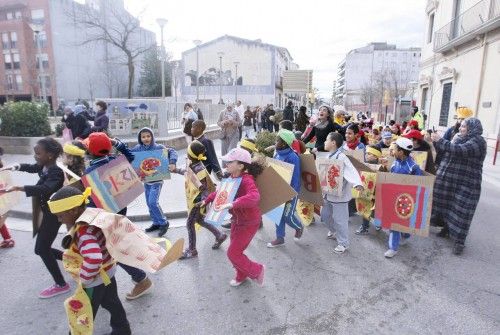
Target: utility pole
(162,23)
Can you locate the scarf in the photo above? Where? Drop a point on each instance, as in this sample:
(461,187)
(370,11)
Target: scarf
(353,144)
(474,129)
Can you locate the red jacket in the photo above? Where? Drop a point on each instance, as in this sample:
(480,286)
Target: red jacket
(246,203)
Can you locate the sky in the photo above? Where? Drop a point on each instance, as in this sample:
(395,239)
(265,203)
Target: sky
(318,33)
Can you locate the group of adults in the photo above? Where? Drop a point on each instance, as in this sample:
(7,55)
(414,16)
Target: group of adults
(77,120)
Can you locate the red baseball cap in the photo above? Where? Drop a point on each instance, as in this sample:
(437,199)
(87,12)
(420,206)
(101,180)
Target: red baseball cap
(98,144)
(414,134)
(413,123)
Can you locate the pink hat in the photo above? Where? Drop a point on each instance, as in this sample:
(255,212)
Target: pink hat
(238,154)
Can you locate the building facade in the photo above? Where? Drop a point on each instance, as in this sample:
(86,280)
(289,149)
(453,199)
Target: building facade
(461,62)
(71,69)
(368,74)
(231,68)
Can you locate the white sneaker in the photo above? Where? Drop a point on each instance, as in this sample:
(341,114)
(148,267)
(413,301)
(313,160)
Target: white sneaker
(331,235)
(340,249)
(390,253)
(235,283)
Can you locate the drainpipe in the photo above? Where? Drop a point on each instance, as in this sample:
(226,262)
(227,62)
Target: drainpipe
(481,74)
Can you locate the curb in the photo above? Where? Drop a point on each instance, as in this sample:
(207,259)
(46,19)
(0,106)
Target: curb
(135,218)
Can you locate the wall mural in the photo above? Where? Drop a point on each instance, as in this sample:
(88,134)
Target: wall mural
(211,78)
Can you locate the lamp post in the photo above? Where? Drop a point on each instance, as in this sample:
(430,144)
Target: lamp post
(162,22)
(236,82)
(197,43)
(220,54)
(37,28)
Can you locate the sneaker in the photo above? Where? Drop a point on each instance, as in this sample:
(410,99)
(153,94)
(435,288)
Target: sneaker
(226,226)
(458,248)
(141,288)
(390,253)
(260,279)
(187,254)
(362,230)
(331,235)
(52,291)
(235,283)
(163,229)
(152,228)
(8,243)
(339,249)
(298,234)
(276,243)
(219,241)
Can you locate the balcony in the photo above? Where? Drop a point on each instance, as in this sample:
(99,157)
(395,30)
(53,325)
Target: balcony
(479,19)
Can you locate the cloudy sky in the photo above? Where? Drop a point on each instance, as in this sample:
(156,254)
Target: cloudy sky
(318,33)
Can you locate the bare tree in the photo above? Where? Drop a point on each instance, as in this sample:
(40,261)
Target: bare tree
(115,27)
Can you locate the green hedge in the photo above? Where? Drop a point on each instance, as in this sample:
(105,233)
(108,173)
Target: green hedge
(24,119)
(263,140)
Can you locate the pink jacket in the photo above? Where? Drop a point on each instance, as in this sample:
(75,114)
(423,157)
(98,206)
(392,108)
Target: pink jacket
(246,204)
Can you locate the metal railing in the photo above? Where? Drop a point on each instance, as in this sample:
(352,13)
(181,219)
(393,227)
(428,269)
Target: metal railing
(469,21)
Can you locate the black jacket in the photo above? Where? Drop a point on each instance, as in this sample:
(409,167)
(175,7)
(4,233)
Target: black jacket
(50,182)
(322,133)
(211,163)
(288,113)
(78,125)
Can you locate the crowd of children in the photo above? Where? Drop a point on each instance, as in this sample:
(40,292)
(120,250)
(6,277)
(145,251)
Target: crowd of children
(329,133)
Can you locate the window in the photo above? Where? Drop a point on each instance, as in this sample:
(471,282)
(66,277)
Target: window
(37,16)
(42,36)
(430,29)
(425,100)
(18,14)
(45,61)
(13,40)
(445,105)
(19,82)
(10,15)
(16,61)
(8,61)
(10,82)
(5,41)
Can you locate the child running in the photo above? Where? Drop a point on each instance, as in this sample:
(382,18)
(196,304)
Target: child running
(197,191)
(403,164)
(335,211)
(245,215)
(47,150)
(152,190)
(97,271)
(285,153)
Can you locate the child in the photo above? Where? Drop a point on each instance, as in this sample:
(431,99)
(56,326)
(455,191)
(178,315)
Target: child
(194,195)
(352,138)
(47,150)
(97,267)
(152,190)
(7,242)
(372,156)
(245,215)
(99,147)
(211,163)
(403,164)
(335,211)
(74,159)
(386,140)
(285,153)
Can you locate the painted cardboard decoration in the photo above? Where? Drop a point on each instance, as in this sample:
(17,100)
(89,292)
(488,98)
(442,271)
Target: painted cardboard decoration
(331,175)
(285,170)
(310,190)
(7,200)
(305,211)
(274,190)
(369,180)
(79,312)
(151,165)
(420,157)
(226,192)
(359,154)
(403,202)
(114,185)
(386,153)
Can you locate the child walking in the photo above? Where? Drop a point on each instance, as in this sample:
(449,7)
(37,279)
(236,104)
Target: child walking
(335,211)
(74,159)
(98,267)
(285,153)
(403,164)
(47,150)
(245,215)
(196,193)
(211,163)
(152,190)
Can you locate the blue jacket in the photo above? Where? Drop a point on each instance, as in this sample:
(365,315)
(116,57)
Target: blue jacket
(289,156)
(408,166)
(172,154)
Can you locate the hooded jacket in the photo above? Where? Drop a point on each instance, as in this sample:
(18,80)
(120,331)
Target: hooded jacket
(289,156)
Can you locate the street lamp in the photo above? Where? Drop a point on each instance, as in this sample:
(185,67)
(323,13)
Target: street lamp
(162,22)
(236,82)
(220,54)
(197,43)
(37,29)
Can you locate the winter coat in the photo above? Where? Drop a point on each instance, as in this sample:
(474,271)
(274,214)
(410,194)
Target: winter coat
(289,156)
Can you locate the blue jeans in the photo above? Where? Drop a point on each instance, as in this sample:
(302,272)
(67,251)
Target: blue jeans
(152,192)
(289,218)
(395,238)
